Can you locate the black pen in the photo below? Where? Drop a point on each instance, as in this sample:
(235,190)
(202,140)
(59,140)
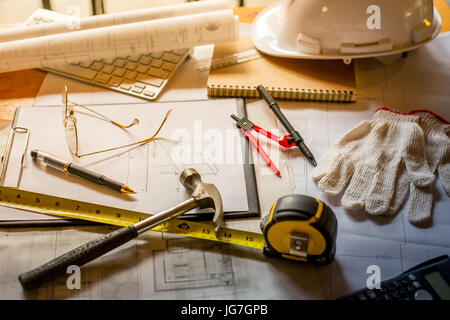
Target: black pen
(67,166)
(295,136)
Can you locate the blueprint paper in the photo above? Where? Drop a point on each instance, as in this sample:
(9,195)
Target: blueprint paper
(120,40)
(66,23)
(231,272)
(188,139)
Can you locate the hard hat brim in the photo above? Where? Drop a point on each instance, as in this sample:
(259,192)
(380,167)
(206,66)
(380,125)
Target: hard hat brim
(264,37)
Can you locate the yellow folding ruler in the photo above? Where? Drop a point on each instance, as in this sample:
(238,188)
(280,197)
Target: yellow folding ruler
(228,60)
(69,208)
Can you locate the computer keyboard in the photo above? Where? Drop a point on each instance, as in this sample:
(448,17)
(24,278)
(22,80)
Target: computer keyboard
(143,76)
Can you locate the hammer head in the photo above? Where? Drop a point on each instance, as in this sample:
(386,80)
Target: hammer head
(206,195)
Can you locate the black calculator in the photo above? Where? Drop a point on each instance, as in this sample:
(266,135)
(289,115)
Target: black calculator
(429,280)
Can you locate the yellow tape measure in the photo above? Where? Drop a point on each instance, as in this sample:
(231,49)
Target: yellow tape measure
(298,227)
(69,208)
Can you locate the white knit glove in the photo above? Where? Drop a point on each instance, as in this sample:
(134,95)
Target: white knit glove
(437,149)
(369,161)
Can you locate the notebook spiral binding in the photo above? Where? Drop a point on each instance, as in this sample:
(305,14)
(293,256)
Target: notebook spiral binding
(283,93)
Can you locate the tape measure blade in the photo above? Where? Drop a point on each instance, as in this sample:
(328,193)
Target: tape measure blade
(70,208)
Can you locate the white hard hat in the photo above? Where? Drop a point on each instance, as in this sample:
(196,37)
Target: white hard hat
(344,29)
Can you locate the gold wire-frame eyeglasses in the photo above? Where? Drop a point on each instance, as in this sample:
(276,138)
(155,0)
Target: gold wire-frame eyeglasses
(71,130)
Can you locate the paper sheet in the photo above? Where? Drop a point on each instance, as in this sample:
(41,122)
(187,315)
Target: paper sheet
(120,40)
(188,139)
(72,23)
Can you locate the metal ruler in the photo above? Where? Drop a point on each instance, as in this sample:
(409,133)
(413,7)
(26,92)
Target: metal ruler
(70,208)
(228,60)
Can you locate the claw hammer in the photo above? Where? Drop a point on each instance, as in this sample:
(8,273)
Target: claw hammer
(204,195)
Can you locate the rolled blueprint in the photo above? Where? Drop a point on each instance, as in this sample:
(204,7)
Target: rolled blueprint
(70,24)
(119,41)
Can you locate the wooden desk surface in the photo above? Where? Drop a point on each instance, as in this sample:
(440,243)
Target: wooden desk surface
(21,87)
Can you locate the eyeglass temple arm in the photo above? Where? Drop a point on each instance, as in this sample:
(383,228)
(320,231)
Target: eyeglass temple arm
(131,144)
(135,121)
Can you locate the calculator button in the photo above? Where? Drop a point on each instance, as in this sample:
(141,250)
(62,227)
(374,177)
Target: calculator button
(403,292)
(395,295)
(416,284)
(387,296)
(361,296)
(422,295)
(371,294)
(412,277)
(410,289)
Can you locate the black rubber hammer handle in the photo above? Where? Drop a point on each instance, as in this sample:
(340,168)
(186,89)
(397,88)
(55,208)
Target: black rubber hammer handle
(78,257)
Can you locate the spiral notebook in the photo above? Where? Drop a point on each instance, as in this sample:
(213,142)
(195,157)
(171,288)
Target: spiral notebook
(290,79)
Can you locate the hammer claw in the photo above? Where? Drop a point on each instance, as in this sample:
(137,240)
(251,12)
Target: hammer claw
(205,194)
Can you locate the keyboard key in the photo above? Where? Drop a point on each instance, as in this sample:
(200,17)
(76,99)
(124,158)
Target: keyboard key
(78,71)
(103,77)
(86,64)
(157,55)
(97,66)
(145,60)
(119,72)
(157,63)
(179,52)
(139,85)
(149,93)
(158,73)
(134,58)
(108,69)
(168,66)
(131,66)
(109,60)
(126,85)
(115,81)
(137,89)
(141,68)
(149,80)
(119,62)
(130,75)
(170,57)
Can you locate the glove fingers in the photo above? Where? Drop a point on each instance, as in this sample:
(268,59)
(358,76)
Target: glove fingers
(381,191)
(401,188)
(444,172)
(420,204)
(330,158)
(416,161)
(325,164)
(334,181)
(356,193)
